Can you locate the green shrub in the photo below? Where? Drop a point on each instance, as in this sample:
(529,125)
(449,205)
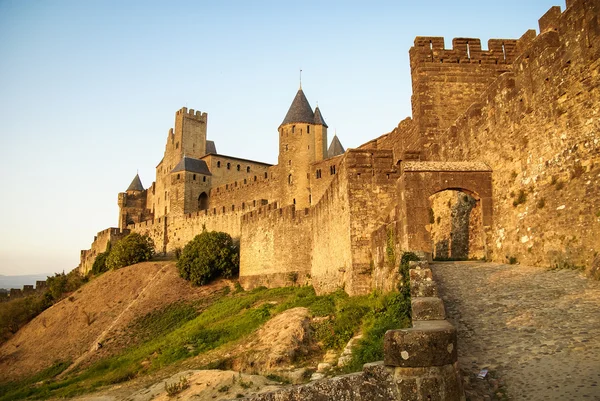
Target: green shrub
(15,313)
(134,248)
(208,256)
(62,283)
(394,313)
(99,265)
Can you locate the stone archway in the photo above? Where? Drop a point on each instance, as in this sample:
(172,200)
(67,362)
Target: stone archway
(203,201)
(420,180)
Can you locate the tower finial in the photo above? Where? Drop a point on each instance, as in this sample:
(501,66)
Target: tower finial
(300,78)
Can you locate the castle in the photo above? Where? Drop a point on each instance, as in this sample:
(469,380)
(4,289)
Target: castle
(515,129)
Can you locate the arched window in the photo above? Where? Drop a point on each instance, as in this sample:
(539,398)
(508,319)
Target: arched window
(238,167)
(290,179)
(228,166)
(293,129)
(248,169)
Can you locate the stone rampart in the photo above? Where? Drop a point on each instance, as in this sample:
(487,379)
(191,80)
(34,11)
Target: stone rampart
(537,126)
(275,247)
(98,246)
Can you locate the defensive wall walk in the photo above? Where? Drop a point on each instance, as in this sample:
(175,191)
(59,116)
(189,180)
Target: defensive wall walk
(536,331)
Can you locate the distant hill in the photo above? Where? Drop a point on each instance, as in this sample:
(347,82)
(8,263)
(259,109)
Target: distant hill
(9,282)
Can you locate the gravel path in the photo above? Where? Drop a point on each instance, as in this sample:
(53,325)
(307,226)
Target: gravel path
(536,331)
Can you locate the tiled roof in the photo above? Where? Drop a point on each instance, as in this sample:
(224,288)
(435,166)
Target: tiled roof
(192,165)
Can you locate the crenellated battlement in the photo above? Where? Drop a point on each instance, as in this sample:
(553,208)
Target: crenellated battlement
(271,211)
(431,49)
(191,113)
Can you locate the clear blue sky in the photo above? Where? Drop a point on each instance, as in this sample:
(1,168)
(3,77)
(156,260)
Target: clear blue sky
(89,89)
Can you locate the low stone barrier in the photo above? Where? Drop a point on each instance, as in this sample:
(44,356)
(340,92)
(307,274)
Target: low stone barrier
(420,363)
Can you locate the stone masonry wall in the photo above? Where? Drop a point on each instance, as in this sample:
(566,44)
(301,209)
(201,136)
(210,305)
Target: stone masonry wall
(275,247)
(446,81)
(170,233)
(98,246)
(371,188)
(247,193)
(538,127)
(331,253)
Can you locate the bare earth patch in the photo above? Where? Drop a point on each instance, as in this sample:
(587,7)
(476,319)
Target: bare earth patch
(204,385)
(99,312)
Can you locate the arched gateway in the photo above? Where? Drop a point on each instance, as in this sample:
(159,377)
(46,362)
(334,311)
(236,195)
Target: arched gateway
(419,180)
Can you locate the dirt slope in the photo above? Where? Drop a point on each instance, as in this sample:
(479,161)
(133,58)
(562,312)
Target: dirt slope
(97,312)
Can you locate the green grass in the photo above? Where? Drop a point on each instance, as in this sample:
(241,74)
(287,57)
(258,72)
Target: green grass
(181,331)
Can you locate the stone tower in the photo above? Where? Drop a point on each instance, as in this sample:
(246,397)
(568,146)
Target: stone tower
(302,141)
(187,139)
(132,204)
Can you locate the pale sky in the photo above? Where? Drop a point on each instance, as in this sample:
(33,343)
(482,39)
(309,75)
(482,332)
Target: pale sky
(89,90)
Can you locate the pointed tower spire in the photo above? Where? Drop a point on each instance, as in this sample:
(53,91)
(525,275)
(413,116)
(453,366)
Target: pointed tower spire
(136,184)
(335,148)
(319,120)
(300,110)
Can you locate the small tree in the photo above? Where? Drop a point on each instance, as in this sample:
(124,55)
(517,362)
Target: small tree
(209,255)
(134,248)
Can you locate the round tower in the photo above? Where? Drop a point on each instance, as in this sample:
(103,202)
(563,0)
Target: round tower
(302,141)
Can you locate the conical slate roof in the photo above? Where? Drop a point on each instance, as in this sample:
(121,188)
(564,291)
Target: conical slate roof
(335,148)
(300,111)
(319,118)
(136,184)
(191,165)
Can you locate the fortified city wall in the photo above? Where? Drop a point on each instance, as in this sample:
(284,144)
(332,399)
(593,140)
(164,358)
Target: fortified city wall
(538,127)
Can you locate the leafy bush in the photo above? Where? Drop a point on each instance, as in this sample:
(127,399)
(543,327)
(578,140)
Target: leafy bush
(208,256)
(99,265)
(134,248)
(62,283)
(15,313)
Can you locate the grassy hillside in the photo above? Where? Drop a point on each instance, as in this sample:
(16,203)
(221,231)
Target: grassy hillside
(149,321)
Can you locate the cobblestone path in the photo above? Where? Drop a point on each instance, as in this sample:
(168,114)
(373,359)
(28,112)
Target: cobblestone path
(537,331)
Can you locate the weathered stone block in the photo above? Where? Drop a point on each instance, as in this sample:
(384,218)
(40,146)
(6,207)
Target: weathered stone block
(421,283)
(421,264)
(428,343)
(427,308)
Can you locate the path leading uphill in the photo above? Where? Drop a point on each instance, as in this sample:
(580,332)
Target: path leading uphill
(537,331)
